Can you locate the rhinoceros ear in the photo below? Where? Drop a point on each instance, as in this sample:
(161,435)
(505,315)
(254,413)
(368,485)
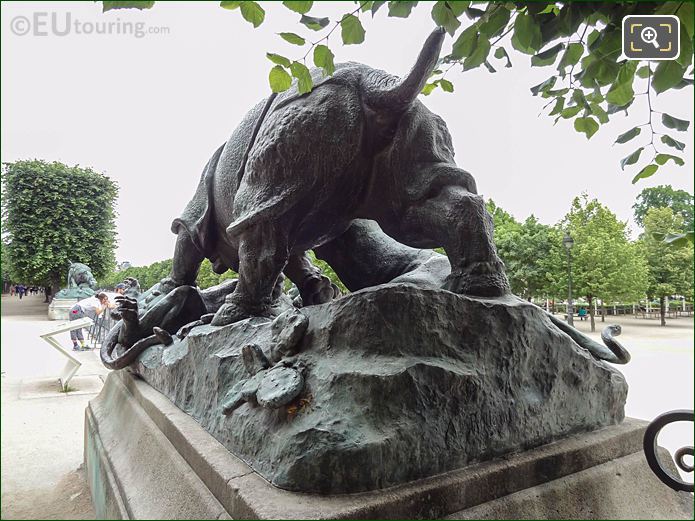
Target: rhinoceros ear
(398,97)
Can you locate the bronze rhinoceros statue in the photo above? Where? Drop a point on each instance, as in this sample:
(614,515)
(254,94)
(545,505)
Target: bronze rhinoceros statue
(300,168)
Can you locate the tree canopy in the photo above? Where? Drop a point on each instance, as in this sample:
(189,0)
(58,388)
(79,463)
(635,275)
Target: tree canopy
(54,214)
(670,267)
(531,252)
(664,196)
(582,41)
(605,264)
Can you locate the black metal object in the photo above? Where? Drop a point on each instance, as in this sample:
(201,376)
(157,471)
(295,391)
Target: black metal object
(100,327)
(649,444)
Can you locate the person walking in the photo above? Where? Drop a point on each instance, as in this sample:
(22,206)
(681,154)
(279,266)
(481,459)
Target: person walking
(90,307)
(21,288)
(12,290)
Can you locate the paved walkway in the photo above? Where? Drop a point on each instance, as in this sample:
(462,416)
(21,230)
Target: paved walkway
(42,428)
(661,372)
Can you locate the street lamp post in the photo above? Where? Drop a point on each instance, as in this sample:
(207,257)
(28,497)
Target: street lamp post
(568,242)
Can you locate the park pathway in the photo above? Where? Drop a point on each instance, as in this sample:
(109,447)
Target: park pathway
(42,428)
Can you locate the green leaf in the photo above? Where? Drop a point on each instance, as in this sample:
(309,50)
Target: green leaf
(446,85)
(559,105)
(458,7)
(472,12)
(429,87)
(570,112)
(555,93)
(304,81)
(315,24)
(323,57)
(600,114)
(252,13)
(444,17)
(298,7)
(495,21)
(661,159)
(678,239)
(571,56)
(527,34)
(133,4)
(542,87)
(685,13)
(668,140)
(375,7)
(278,59)
(609,46)
(292,38)
(647,171)
(465,43)
(602,71)
(612,109)
(479,54)
(547,57)
(500,53)
(401,9)
(621,92)
(667,74)
(592,38)
(643,72)
(674,123)
(631,159)
(579,98)
(351,30)
(489,67)
(586,125)
(627,136)
(685,57)
(279,80)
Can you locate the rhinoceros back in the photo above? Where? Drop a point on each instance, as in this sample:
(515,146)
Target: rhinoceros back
(303,153)
(202,217)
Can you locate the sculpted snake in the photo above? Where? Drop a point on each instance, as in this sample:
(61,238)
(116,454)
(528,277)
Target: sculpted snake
(612,352)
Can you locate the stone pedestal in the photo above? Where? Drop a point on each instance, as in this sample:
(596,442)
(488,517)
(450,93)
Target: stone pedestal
(59,308)
(146,458)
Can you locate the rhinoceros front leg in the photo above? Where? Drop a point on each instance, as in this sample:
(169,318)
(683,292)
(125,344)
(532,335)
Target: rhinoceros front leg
(185,264)
(314,287)
(457,220)
(263,253)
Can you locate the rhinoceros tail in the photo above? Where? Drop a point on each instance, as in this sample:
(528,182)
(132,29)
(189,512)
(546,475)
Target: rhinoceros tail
(399,96)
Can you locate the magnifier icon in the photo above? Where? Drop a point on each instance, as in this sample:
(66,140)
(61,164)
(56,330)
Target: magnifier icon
(648,36)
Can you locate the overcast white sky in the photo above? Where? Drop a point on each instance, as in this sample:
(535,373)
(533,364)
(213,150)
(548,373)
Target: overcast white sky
(149,111)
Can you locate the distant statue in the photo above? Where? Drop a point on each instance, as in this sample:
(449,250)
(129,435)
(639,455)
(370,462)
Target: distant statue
(80,283)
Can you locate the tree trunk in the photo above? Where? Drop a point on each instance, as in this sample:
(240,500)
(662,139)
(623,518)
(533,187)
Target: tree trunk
(603,311)
(48,294)
(591,313)
(662,305)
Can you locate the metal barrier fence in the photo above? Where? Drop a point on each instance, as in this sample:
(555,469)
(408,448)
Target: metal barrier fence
(100,327)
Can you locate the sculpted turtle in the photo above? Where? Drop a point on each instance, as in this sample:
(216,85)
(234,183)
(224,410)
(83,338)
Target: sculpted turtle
(301,167)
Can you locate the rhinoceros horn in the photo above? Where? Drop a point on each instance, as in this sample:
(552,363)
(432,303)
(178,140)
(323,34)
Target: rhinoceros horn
(399,96)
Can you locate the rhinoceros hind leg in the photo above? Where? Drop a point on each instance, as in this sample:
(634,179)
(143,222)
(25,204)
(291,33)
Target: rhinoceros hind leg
(263,254)
(314,287)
